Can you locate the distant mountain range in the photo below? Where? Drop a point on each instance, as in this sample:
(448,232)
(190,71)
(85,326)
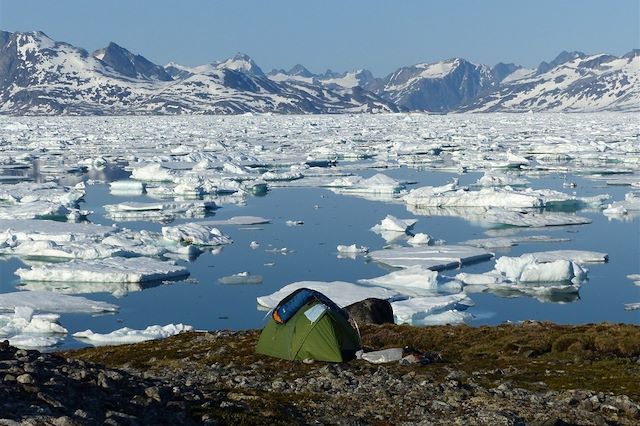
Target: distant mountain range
(40,76)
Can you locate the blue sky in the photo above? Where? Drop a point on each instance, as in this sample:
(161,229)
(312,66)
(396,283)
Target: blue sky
(336,34)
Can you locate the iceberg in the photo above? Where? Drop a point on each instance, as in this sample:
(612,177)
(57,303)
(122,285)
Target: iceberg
(114,270)
(393,224)
(342,293)
(128,335)
(431,257)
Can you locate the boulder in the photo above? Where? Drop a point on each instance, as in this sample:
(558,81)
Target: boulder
(371,311)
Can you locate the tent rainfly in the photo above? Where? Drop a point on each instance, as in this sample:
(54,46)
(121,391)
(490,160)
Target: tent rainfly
(308,325)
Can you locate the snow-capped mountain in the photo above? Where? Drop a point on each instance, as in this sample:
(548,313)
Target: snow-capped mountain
(572,82)
(441,86)
(349,79)
(126,63)
(41,76)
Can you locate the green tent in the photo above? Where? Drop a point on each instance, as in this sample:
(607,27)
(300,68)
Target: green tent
(315,332)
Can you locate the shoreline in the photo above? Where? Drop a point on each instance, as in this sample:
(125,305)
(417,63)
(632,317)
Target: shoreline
(531,373)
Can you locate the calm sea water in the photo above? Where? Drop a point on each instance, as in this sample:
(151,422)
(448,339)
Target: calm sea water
(331,219)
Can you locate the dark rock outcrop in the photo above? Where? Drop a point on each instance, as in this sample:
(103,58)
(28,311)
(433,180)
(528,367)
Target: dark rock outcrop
(371,311)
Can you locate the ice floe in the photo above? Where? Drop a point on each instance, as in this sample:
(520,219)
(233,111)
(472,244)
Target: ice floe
(128,335)
(431,257)
(415,281)
(376,184)
(237,221)
(431,309)
(44,301)
(160,211)
(630,205)
(195,233)
(352,249)
(241,278)
(25,329)
(117,269)
(504,242)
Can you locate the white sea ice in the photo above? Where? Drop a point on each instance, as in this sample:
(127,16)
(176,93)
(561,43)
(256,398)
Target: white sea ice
(294,222)
(431,257)
(393,224)
(46,230)
(23,321)
(238,221)
(532,219)
(632,306)
(635,278)
(492,178)
(241,278)
(116,269)
(414,281)
(128,335)
(62,250)
(342,293)
(631,203)
(127,187)
(421,239)
(377,184)
(352,249)
(504,242)
(41,210)
(116,289)
(578,256)
(159,210)
(29,192)
(195,233)
(154,172)
(487,197)
(44,301)
(419,309)
(528,268)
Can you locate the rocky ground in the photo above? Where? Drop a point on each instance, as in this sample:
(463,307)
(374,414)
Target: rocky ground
(535,373)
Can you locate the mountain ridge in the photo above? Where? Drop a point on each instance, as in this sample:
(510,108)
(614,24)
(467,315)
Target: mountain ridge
(41,76)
